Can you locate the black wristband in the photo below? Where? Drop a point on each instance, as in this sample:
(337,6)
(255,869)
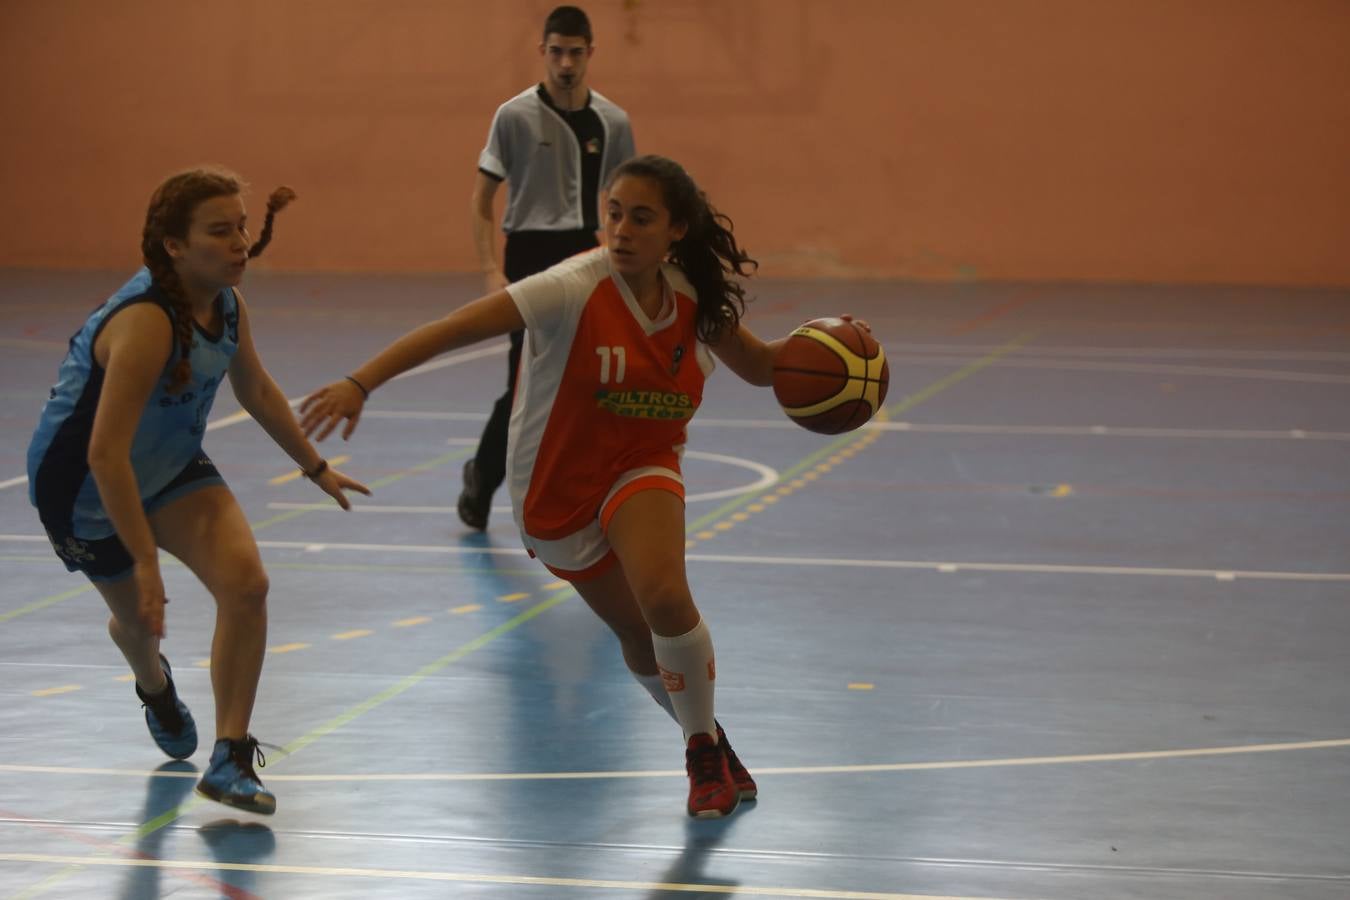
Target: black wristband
(318,470)
(365,394)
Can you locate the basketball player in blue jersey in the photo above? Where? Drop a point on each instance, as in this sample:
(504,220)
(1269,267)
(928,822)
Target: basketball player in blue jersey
(117,471)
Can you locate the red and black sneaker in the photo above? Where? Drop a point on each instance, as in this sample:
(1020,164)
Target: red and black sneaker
(745,784)
(712,793)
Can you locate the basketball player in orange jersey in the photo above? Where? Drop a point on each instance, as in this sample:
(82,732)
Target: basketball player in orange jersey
(619,341)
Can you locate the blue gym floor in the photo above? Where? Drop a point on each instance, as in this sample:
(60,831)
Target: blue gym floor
(1070,619)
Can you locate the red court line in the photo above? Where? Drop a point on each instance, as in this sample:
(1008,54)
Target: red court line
(226,890)
(1019,299)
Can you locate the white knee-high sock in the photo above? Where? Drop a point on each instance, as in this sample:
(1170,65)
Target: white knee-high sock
(688,670)
(657,688)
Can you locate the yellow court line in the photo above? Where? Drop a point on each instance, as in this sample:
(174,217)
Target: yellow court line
(407,683)
(798,476)
(511,598)
(860,686)
(287,648)
(296,473)
(741,890)
(466,608)
(52,691)
(412,620)
(349,635)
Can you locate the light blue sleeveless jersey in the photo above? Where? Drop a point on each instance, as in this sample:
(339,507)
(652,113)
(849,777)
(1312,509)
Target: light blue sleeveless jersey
(170,432)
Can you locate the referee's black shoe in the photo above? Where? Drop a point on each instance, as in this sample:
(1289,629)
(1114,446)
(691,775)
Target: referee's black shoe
(473,506)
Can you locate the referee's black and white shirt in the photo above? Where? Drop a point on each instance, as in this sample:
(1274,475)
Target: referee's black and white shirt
(547,155)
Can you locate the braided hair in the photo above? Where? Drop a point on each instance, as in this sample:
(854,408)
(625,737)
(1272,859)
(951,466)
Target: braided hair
(708,253)
(170,215)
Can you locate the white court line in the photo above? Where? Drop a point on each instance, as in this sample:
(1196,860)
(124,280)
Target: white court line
(1131,368)
(1045,568)
(938,765)
(823,562)
(947,862)
(768,477)
(740,890)
(374,508)
(1096,431)
(1187,353)
(241,416)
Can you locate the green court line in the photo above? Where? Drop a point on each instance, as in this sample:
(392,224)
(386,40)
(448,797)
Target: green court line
(45,601)
(388,479)
(278,519)
(424,467)
(373,568)
(534,571)
(562,594)
(838,443)
(487,637)
(345,718)
(401,686)
(258,526)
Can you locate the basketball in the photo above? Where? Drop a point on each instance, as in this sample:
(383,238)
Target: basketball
(830,376)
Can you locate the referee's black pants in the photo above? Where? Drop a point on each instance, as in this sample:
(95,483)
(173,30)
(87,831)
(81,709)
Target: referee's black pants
(526,253)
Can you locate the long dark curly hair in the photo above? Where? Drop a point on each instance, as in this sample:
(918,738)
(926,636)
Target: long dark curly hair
(708,253)
(170,215)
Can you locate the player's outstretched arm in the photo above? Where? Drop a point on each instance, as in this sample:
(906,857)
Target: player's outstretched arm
(259,395)
(490,316)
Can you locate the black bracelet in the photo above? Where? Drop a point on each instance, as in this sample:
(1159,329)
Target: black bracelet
(365,394)
(318,470)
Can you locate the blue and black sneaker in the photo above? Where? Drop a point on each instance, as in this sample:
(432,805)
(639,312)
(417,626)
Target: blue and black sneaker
(230,778)
(168,718)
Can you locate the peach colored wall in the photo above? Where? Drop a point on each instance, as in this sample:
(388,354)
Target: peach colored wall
(1142,140)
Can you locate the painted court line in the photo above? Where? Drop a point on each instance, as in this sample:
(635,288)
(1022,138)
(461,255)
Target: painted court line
(1096,431)
(312,546)
(866,768)
(741,890)
(46,601)
(819,562)
(242,416)
(783,424)
(1154,369)
(221,888)
(1186,353)
(295,474)
(768,476)
(341,720)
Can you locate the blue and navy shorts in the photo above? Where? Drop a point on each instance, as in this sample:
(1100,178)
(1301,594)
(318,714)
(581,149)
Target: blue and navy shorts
(107,559)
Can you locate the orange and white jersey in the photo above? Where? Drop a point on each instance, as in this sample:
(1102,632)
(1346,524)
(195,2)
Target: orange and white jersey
(603,390)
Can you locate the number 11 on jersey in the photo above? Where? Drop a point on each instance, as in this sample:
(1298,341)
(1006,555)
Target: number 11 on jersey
(605,353)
